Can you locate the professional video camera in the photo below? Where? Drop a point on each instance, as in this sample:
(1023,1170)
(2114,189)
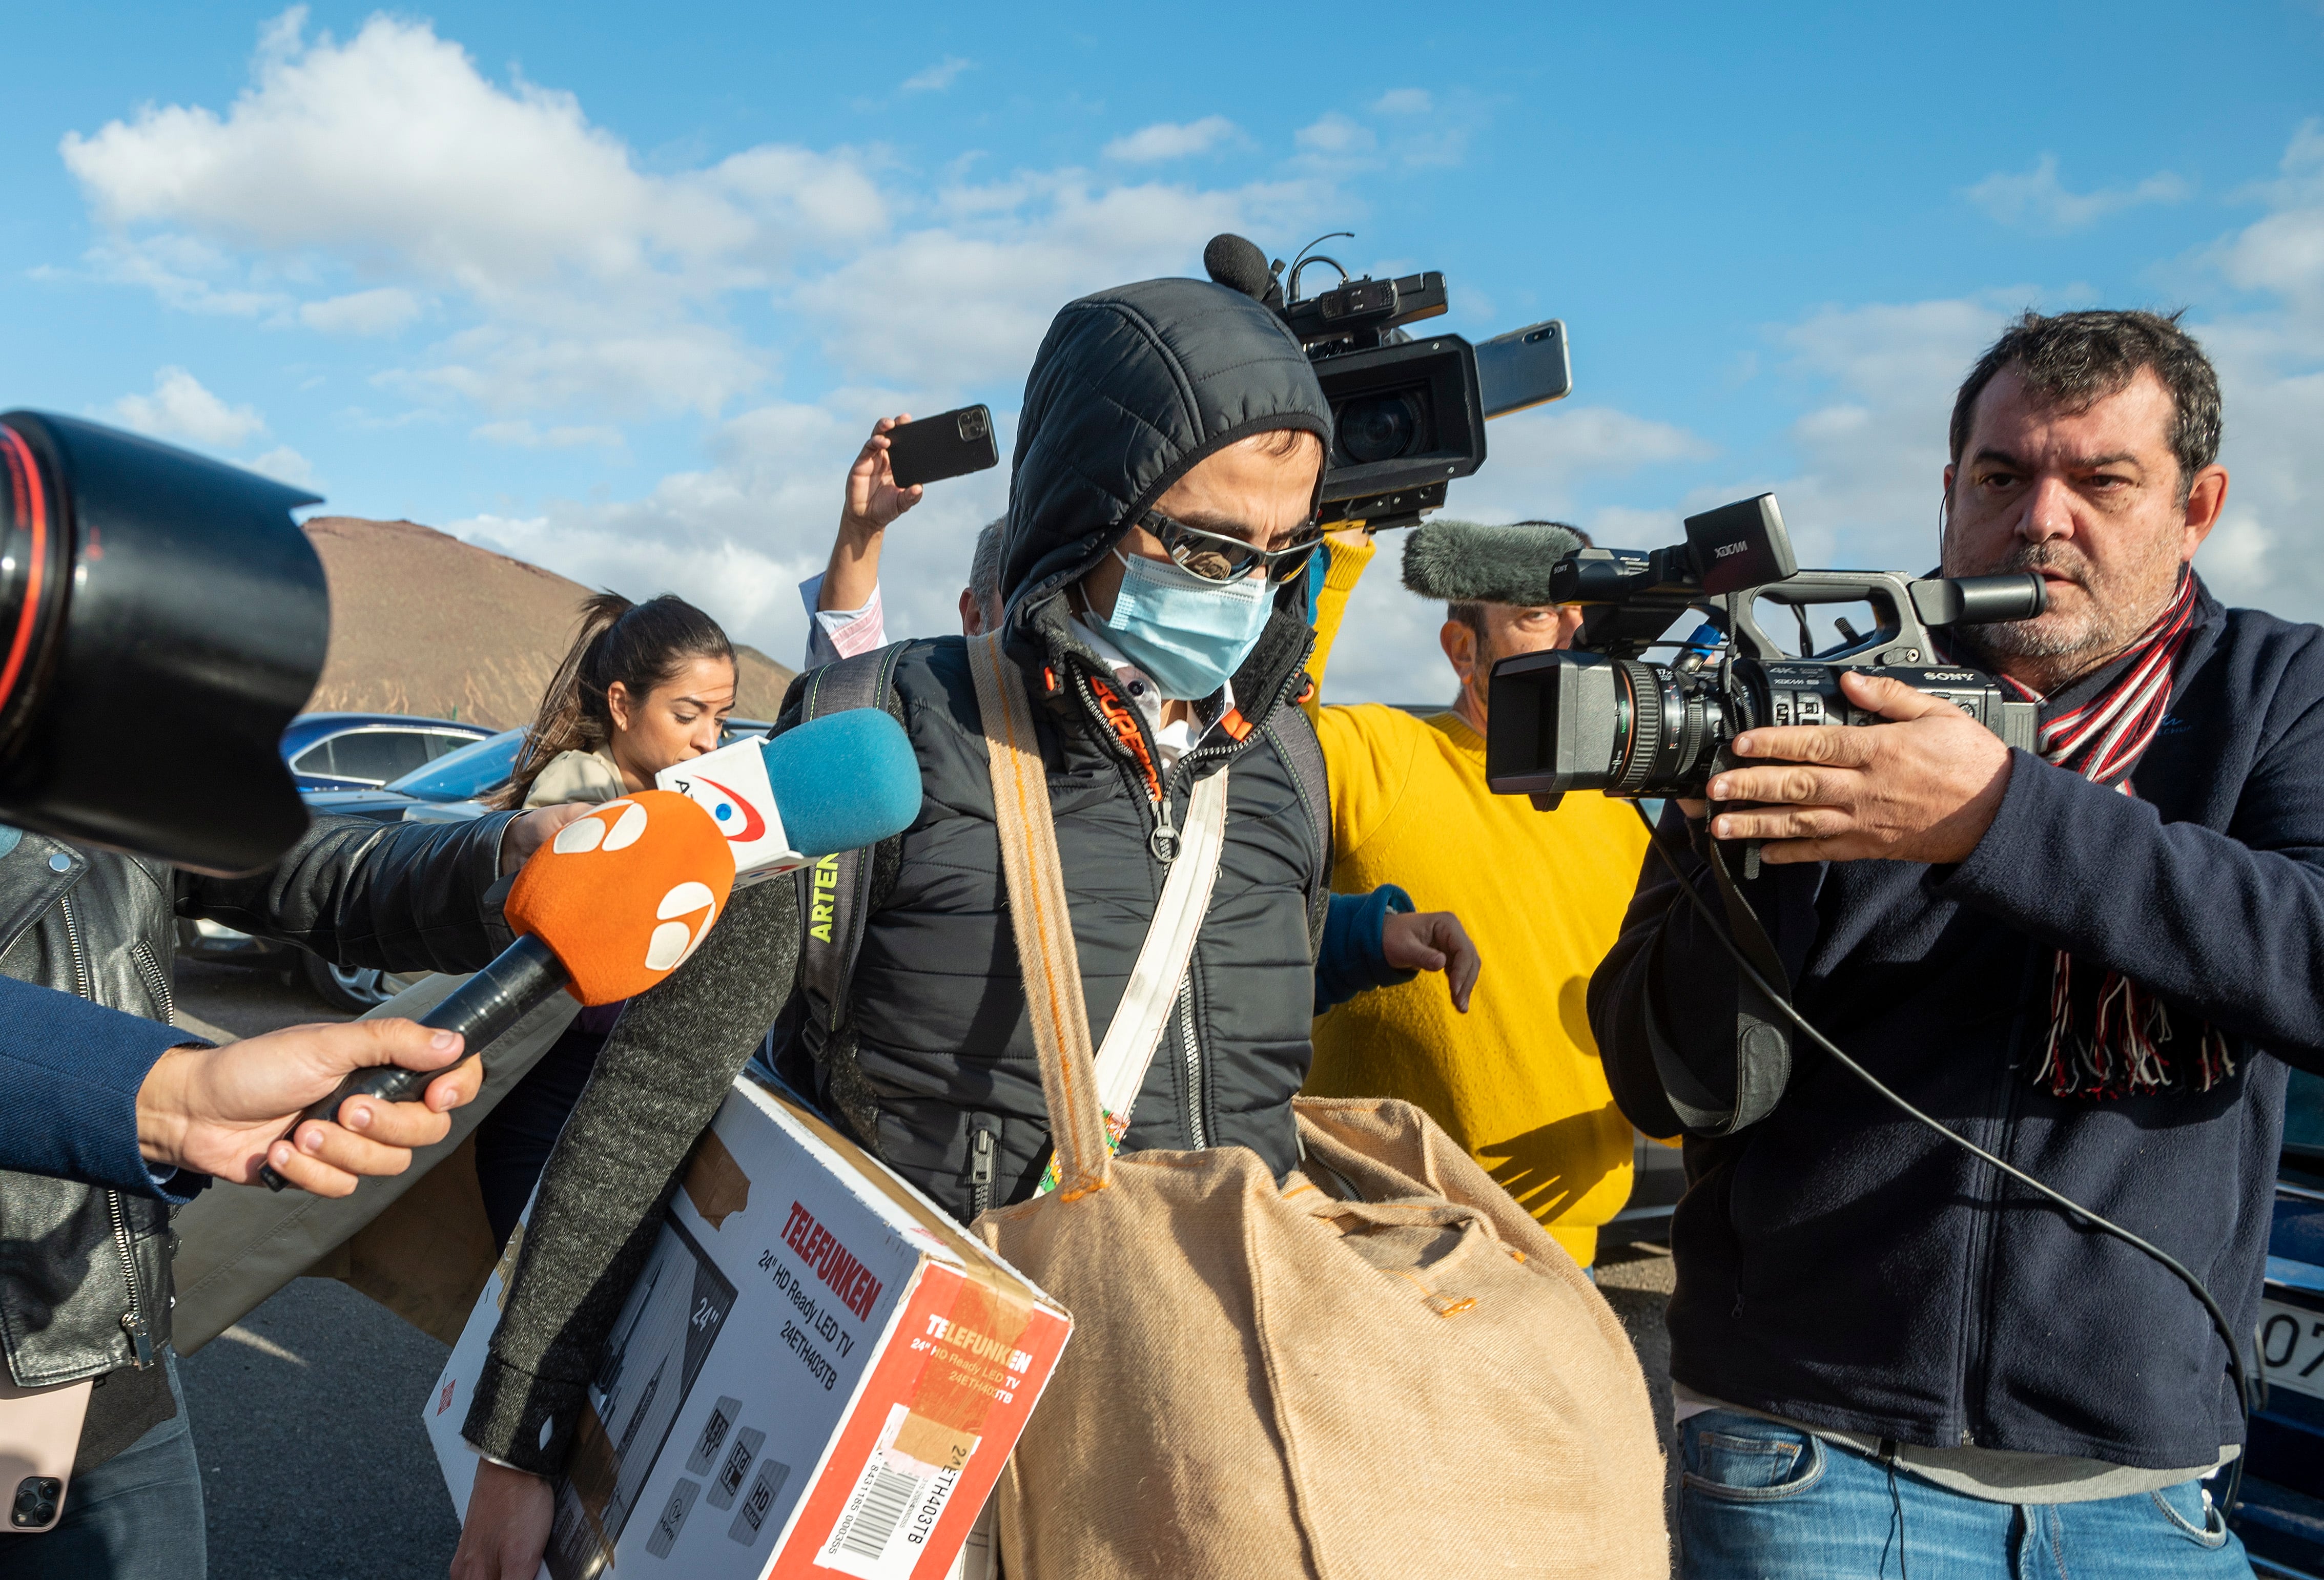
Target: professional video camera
(161,618)
(1601,718)
(1407,413)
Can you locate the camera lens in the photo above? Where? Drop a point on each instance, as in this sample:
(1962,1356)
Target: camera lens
(1379,428)
(1667,727)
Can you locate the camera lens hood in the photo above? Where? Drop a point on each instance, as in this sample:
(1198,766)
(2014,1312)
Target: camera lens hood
(161,620)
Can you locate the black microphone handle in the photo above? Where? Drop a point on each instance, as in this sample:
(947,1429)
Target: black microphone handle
(479,1009)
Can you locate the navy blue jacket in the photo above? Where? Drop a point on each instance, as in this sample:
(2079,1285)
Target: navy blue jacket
(1839,1266)
(70,1072)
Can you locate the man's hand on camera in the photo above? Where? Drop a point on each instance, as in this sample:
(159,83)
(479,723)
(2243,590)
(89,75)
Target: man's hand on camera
(222,1111)
(1433,941)
(1924,787)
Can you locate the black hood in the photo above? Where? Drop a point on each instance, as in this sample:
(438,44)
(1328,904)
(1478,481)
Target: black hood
(1132,387)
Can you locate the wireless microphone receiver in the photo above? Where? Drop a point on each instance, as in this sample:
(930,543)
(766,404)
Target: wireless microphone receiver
(616,902)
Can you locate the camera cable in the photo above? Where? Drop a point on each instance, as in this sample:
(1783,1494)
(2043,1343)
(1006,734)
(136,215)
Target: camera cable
(2076,1214)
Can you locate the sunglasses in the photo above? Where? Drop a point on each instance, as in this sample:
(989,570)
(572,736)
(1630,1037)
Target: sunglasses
(1217,556)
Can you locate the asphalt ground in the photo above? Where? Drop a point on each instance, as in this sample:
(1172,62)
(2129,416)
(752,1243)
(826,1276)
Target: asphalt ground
(307,1412)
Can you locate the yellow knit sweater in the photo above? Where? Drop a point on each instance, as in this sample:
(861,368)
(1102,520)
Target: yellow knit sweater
(1517,1080)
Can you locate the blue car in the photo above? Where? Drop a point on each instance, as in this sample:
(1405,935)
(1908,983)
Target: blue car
(2280,1513)
(362,751)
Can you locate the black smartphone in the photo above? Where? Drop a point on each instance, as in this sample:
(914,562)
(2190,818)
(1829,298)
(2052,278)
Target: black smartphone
(952,444)
(1524,368)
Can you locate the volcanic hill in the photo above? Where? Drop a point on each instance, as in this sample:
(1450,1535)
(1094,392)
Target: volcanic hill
(425,624)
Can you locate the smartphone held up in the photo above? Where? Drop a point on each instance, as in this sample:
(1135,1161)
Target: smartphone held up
(952,444)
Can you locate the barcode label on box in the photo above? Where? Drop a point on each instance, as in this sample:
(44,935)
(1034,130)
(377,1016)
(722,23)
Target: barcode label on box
(897,1501)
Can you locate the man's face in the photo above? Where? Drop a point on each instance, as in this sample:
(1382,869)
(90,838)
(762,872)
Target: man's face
(1245,490)
(2094,503)
(1509,628)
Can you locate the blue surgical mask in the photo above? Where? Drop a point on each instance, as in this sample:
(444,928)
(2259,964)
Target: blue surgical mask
(1189,633)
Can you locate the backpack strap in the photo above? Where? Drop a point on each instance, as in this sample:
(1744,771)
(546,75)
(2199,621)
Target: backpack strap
(1295,742)
(835,892)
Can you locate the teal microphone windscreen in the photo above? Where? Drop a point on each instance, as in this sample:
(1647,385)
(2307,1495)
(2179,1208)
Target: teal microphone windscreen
(843,780)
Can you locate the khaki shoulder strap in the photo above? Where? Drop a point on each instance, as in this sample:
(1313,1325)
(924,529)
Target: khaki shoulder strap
(1044,927)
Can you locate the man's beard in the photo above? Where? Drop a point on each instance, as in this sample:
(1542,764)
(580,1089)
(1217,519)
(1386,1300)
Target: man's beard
(2117,608)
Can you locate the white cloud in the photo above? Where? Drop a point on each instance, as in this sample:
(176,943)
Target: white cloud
(1404,101)
(366,185)
(179,408)
(389,156)
(943,307)
(1167,140)
(737,536)
(525,436)
(381,311)
(2285,252)
(285,465)
(936,78)
(1872,453)
(1336,135)
(2037,200)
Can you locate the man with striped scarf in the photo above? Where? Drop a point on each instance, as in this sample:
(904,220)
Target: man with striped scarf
(2098,961)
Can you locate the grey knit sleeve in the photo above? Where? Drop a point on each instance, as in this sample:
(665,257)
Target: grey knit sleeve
(657,1084)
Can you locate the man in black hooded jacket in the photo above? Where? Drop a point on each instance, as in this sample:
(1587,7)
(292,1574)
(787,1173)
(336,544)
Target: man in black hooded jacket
(1169,429)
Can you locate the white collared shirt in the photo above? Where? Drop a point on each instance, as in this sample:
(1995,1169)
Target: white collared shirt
(1172,740)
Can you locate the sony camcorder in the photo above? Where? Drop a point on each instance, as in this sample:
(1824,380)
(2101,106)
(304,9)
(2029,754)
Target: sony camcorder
(1600,717)
(161,618)
(1408,412)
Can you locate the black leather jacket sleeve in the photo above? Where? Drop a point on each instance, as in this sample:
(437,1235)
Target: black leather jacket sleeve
(397,897)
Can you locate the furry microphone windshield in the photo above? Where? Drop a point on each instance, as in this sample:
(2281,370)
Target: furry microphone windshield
(1461,562)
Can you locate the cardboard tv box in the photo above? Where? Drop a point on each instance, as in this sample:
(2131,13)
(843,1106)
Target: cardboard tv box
(818,1374)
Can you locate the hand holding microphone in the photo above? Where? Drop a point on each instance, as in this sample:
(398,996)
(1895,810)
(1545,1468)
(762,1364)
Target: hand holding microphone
(220,1111)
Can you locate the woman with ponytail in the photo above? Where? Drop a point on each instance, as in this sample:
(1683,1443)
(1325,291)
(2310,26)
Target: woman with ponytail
(644,686)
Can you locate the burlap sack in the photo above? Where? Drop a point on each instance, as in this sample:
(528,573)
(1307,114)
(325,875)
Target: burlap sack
(1383,1367)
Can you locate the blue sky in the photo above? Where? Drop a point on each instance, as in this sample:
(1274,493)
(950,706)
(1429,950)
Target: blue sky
(619,291)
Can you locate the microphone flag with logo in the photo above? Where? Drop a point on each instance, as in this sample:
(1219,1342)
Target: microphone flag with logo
(837,783)
(623,896)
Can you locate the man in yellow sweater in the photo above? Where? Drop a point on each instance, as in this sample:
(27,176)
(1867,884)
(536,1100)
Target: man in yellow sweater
(1516,1079)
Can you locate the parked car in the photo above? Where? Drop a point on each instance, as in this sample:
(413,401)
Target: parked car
(444,786)
(357,752)
(2280,1512)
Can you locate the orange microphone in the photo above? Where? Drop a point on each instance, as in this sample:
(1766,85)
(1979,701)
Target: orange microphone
(616,902)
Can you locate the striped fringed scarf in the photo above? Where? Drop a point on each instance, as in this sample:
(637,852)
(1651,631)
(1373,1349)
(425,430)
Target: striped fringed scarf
(2102,740)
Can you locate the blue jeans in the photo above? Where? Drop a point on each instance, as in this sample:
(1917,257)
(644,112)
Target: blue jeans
(136,1517)
(1768,1502)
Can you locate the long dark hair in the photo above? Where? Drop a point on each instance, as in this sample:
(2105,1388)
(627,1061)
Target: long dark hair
(640,645)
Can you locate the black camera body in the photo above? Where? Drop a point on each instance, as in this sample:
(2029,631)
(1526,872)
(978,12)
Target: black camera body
(1600,717)
(1407,414)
